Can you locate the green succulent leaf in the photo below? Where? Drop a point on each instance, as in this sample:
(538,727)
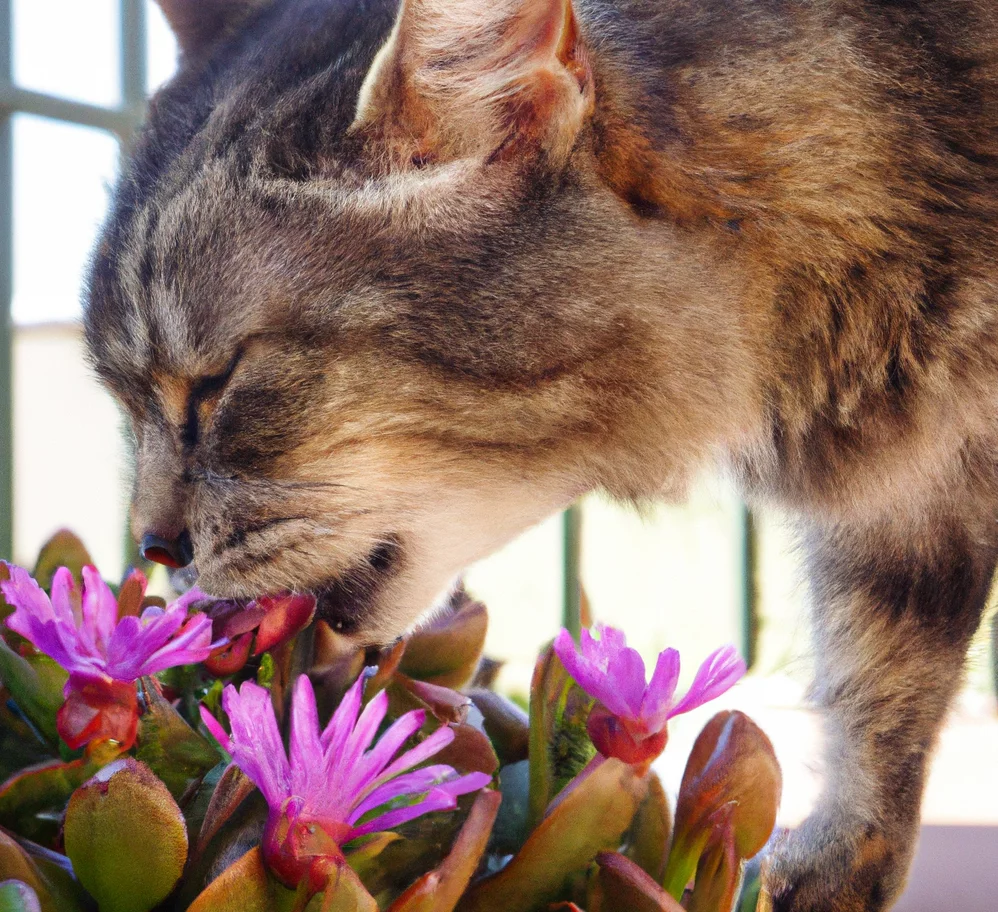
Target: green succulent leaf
(46,873)
(559,744)
(35,682)
(126,837)
(17,896)
(64,549)
(510,830)
(32,802)
(176,753)
(618,883)
(440,890)
(591,816)
(506,724)
(719,873)
(246,886)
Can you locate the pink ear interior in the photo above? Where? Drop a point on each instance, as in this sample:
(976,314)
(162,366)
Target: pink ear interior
(461,77)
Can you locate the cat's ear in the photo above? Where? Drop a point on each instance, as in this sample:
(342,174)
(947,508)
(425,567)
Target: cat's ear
(198,23)
(461,78)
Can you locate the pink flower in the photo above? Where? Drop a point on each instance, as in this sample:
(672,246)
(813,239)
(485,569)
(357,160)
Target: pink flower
(630,722)
(103,651)
(321,797)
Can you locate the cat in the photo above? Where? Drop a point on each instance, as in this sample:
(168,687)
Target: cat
(381,288)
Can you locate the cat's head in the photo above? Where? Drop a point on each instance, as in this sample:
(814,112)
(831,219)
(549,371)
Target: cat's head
(366,300)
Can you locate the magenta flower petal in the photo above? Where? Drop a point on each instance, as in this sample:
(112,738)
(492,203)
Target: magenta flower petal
(436,800)
(426,748)
(376,759)
(584,666)
(66,601)
(190,645)
(36,619)
(215,727)
(362,737)
(720,671)
(440,797)
(417,782)
(256,741)
(336,778)
(631,723)
(306,742)
(335,735)
(100,609)
(661,690)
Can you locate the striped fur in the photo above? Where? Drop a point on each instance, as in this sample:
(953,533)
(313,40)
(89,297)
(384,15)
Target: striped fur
(383,288)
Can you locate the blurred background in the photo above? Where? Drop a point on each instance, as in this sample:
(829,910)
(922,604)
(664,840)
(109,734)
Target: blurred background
(74,75)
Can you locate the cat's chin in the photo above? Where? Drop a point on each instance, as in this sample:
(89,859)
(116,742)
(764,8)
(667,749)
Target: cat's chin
(349,602)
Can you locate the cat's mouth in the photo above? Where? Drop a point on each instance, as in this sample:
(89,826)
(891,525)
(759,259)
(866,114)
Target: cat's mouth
(346,601)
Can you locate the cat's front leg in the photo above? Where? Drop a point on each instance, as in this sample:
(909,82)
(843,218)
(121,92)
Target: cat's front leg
(895,608)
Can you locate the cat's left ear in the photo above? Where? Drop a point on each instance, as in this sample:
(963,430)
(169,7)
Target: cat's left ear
(199,23)
(487,78)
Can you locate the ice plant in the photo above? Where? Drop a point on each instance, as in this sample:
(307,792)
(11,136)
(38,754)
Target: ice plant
(104,646)
(629,721)
(337,784)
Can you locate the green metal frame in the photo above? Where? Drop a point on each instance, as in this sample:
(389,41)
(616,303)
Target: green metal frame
(122,121)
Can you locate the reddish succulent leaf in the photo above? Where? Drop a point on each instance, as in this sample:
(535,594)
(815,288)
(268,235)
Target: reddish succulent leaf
(589,819)
(470,751)
(64,549)
(620,884)
(447,650)
(284,616)
(232,788)
(732,770)
(446,705)
(228,659)
(648,839)
(245,886)
(718,873)
(240,619)
(506,724)
(440,890)
(131,595)
(388,664)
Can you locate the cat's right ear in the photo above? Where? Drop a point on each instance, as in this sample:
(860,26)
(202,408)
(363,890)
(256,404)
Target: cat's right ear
(199,23)
(478,78)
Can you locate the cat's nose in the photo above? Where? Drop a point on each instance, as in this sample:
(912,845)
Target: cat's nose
(175,553)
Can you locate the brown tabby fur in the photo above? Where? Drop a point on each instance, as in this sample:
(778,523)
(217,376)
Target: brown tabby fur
(372,316)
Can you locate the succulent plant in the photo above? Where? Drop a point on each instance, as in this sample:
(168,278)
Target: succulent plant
(219,755)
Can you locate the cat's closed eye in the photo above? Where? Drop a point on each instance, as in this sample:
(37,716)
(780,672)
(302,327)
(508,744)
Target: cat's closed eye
(204,396)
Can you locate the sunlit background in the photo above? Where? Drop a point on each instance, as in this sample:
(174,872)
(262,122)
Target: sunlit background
(672,576)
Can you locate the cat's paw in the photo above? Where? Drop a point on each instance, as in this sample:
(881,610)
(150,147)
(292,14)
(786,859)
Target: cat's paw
(838,868)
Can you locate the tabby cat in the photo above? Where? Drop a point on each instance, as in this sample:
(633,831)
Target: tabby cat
(383,287)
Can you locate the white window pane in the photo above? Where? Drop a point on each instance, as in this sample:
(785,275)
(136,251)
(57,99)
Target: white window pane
(162,47)
(69,48)
(70,458)
(62,175)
